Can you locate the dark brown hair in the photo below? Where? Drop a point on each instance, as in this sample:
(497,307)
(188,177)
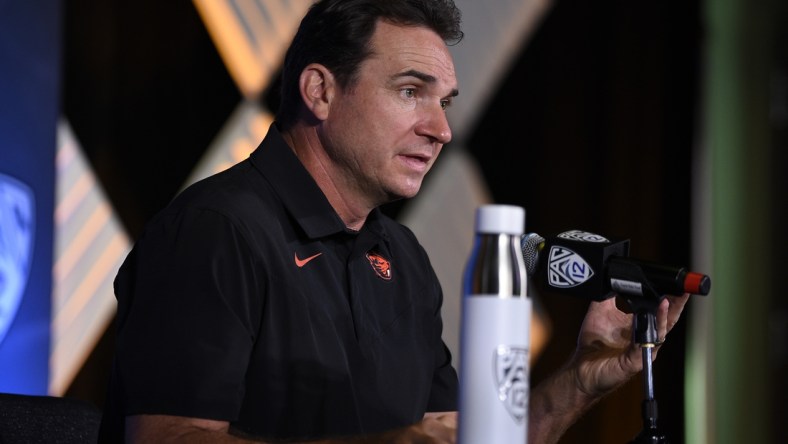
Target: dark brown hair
(336,34)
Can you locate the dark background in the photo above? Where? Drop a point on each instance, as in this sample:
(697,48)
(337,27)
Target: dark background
(593,127)
(600,110)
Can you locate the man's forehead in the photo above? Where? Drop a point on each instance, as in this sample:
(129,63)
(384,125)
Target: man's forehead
(413,49)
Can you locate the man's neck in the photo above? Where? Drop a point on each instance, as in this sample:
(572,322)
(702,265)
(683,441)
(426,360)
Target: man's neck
(304,142)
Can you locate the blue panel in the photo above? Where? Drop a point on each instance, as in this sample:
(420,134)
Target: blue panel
(29,82)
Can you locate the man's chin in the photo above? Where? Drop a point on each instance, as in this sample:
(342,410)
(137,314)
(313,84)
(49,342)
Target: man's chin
(404,194)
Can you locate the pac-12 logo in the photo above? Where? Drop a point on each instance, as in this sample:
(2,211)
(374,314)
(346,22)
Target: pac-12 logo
(511,374)
(567,268)
(17,231)
(583,236)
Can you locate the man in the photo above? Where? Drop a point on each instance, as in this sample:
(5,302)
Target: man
(274,301)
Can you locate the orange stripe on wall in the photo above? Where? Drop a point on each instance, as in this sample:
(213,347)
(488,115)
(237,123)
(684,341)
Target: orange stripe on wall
(233,45)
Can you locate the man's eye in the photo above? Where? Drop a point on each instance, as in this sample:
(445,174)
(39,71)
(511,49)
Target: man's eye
(409,93)
(445,103)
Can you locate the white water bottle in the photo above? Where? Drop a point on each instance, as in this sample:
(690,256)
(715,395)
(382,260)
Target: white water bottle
(495,332)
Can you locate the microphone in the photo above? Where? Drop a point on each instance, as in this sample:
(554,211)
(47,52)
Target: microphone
(588,265)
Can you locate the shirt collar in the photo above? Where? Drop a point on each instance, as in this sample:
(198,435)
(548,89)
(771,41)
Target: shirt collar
(299,192)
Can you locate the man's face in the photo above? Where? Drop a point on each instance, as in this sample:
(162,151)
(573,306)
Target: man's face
(384,132)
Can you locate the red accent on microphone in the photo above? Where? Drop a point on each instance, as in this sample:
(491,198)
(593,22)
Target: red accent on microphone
(692,282)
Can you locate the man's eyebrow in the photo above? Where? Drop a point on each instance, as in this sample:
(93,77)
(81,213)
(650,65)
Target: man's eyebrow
(424,77)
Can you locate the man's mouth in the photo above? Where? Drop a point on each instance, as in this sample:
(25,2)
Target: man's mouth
(418,162)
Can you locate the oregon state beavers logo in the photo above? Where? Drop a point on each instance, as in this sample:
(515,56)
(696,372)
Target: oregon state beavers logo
(380,264)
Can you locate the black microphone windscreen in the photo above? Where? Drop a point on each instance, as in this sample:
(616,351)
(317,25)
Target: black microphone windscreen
(531,245)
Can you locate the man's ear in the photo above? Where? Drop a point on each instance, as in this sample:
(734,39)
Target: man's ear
(317,87)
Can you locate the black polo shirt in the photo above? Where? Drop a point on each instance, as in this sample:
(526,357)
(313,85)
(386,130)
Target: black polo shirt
(248,300)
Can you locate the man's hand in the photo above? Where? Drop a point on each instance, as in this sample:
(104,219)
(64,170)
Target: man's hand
(605,358)
(435,428)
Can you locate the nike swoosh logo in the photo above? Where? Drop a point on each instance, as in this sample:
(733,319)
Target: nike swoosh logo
(301,262)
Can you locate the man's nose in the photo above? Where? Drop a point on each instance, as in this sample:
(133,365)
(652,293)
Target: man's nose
(435,125)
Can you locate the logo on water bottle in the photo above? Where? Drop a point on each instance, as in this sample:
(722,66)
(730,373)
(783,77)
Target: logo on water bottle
(567,268)
(511,372)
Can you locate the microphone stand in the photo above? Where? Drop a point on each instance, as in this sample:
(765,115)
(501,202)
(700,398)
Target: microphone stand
(644,326)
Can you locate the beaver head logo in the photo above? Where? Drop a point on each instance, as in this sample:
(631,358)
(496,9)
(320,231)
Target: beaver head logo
(381,265)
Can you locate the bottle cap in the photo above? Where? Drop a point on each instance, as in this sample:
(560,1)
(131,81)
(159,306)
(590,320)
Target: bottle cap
(500,219)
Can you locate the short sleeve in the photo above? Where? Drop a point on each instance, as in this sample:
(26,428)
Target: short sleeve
(188,312)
